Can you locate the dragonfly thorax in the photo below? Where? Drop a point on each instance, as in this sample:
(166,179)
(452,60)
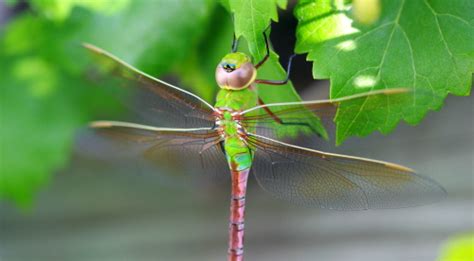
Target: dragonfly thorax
(228,123)
(228,107)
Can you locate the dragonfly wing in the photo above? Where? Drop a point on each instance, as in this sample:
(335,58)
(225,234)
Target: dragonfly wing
(191,154)
(159,102)
(290,115)
(314,178)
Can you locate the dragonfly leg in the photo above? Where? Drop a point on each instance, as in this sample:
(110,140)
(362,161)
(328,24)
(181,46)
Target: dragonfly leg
(267,45)
(235,43)
(279,82)
(221,144)
(235,40)
(280,121)
(267,110)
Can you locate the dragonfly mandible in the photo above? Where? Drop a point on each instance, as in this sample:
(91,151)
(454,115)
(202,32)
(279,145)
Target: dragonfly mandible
(226,137)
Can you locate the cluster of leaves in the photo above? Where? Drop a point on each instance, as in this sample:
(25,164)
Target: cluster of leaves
(425,45)
(45,92)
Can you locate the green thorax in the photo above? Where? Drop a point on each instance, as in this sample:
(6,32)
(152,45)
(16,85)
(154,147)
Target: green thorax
(237,100)
(234,100)
(238,154)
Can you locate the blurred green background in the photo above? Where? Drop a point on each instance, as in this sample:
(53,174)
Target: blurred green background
(95,211)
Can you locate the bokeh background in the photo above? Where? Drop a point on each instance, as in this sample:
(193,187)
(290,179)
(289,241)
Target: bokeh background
(91,210)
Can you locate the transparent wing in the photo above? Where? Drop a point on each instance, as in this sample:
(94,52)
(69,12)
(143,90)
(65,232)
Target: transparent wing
(287,117)
(313,178)
(184,153)
(159,103)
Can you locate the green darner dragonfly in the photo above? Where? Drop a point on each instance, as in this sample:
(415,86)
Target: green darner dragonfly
(228,136)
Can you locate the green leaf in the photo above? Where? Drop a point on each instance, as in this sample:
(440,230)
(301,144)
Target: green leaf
(251,19)
(198,71)
(45,95)
(152,35)
(37,127)
(59,10)
(366,11)
(424,45)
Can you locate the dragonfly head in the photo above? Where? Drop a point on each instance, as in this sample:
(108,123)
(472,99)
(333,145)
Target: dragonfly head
(235,71)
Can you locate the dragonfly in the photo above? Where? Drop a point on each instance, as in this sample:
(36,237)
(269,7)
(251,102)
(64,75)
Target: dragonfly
(226,140)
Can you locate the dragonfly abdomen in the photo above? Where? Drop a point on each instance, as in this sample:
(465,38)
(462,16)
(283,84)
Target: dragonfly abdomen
(239,157)
(237,215)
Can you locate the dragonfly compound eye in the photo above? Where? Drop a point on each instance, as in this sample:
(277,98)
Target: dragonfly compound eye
(235,79)
(228,67)
(235,71)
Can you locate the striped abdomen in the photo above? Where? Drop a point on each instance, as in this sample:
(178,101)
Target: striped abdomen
(239,157)
(237,215)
